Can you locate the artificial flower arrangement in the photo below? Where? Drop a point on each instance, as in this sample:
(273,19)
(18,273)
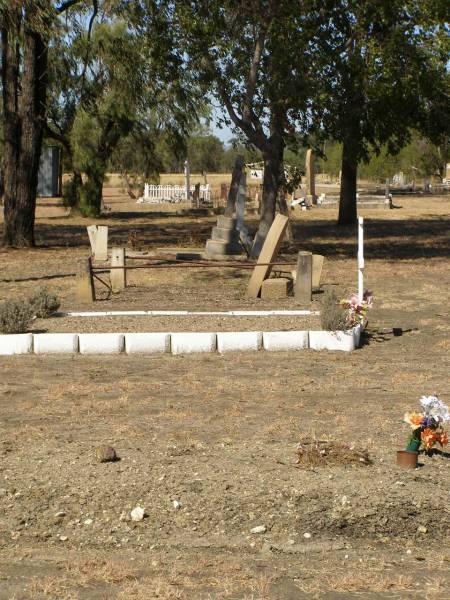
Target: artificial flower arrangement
(428,426)
(356,310)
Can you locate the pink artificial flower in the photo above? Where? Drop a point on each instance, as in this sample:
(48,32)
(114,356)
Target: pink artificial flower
(353,301)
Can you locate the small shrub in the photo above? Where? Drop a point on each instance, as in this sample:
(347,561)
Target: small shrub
(43,303)
(333,317)
(15,316)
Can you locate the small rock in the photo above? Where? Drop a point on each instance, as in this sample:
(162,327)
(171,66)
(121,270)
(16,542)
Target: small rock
(176,504)
(137,514)
(63,538)
(307,535)
(259,529)
(422,529)
(60,514)
(88,522)
(106,454)
(409,551)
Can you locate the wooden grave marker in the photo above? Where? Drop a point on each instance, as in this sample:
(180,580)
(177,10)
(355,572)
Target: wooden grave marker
(268,253)
(98,237)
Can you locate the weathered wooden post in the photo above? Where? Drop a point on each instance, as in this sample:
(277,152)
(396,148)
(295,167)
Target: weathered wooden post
(303,282)
(187,179)
(360,259)
(223,191)
(310,177)
(196,196)
(84,285)
(117,275)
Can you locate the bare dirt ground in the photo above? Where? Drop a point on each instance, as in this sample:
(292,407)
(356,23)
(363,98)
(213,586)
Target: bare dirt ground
(218,434)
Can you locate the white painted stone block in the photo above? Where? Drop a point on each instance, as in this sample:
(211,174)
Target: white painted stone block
(275,341)
(55,343)
(184,343)
(332,340)
(101,343)
(239,341)
(16,343)
(147,343)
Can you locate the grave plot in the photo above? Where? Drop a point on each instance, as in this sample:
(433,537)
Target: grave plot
(209,444)
(187,331)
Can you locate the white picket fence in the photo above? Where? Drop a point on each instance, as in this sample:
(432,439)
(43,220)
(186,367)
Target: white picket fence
(158,194)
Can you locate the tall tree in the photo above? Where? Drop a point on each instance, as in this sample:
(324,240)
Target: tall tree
(247,56)
(25,32)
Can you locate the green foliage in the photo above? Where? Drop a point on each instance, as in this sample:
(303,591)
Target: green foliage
(70,193)
(43,303)
(383,70)
(332,316)
(15,316)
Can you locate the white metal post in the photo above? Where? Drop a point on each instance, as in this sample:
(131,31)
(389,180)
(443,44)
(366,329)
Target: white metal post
(360,258)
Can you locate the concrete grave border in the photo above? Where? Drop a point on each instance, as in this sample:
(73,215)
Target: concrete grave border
(178,342)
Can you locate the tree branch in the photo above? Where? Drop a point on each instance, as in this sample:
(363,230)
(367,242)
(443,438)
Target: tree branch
(253,75)
(66,5)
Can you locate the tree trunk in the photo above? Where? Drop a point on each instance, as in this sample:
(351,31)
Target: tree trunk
(24,107)
(273,165)
(347,201)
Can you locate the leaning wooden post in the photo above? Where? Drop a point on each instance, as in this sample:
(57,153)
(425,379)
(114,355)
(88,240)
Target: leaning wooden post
(118,276)
(85,291)
(303,282)
(360,259)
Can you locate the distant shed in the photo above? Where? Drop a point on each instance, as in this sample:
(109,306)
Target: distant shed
(49,178)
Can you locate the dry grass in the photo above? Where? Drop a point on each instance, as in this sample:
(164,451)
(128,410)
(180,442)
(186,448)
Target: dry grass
(84,573)
(315,453)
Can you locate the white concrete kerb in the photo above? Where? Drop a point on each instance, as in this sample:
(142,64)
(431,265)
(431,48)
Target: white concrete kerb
(179,342)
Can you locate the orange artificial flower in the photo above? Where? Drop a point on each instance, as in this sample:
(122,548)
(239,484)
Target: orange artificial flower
(429,438)
(413,419)
(443,438)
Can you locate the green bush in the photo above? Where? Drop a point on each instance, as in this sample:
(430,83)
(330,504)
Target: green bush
(15,316)
(332,315)
(43,303)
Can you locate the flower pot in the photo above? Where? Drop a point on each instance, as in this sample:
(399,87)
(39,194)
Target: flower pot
(406,459)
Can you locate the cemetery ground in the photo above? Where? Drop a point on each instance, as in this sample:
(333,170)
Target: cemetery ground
(218,434)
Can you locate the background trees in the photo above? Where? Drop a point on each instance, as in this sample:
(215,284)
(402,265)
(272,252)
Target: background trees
(123,83)
(383,72)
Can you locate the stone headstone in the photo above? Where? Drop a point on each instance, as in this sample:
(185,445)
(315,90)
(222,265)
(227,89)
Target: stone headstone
(224,238)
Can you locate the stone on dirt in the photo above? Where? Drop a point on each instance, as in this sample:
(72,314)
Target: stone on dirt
(259,529)
(106,454)
(137,514)
(273,289)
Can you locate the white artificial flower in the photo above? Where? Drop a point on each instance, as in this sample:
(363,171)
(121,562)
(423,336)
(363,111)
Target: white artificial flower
(435,408)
